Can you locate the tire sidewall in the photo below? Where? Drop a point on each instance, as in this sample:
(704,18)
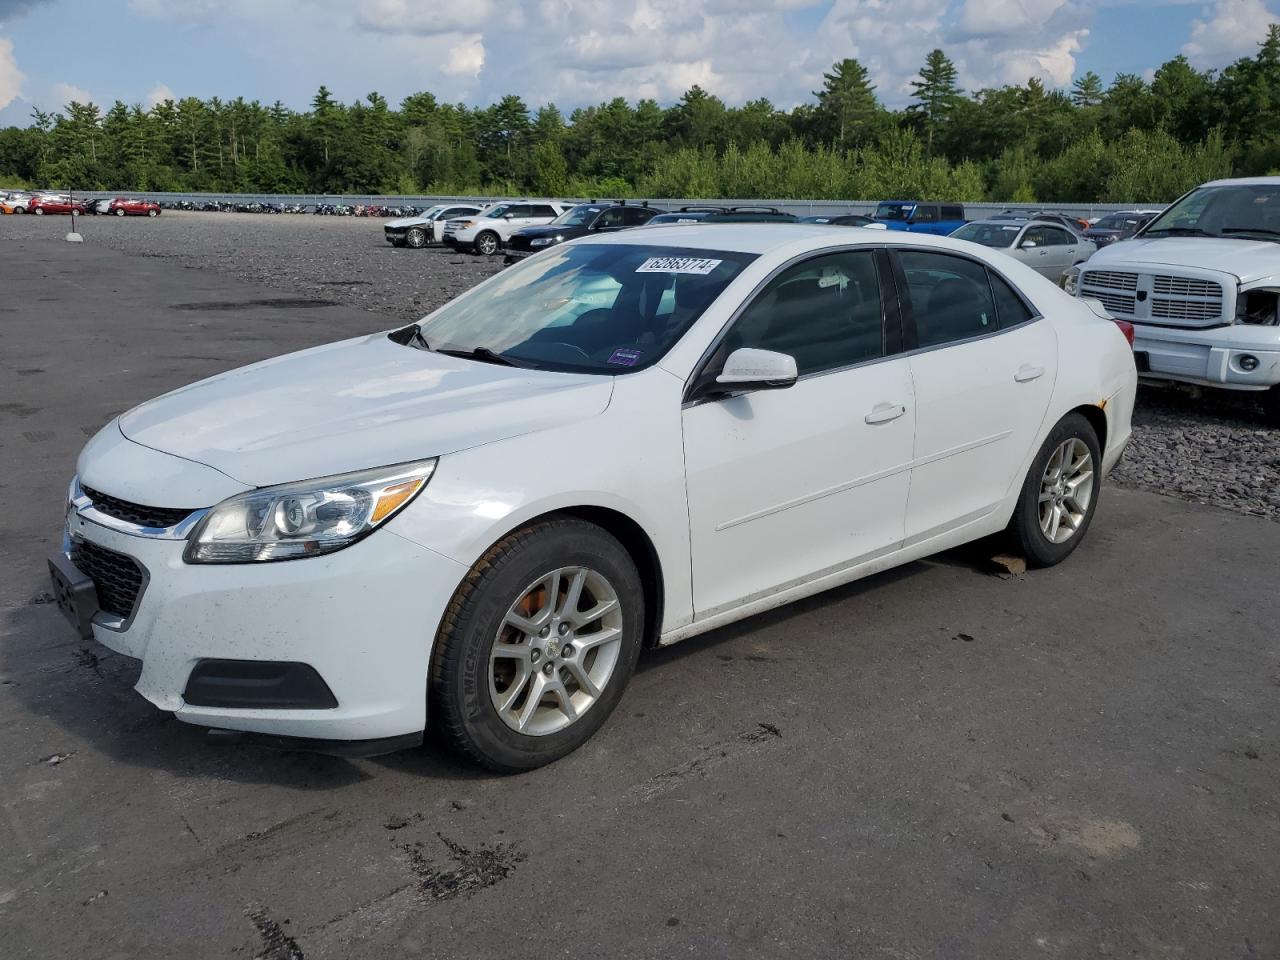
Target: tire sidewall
(480,241)
(466,685)
(1039,550)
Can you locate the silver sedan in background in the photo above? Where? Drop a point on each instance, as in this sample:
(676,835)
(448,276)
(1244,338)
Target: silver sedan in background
(1047,248)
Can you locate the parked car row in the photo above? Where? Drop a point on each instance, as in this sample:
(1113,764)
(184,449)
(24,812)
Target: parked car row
(43,203)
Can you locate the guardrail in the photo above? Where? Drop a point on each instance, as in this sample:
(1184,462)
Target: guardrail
(804,208)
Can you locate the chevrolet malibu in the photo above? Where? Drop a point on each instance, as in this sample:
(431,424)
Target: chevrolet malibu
(622,442)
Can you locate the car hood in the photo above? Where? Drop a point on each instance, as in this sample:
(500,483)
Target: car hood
(407,222)
(354,405)
(1247,260)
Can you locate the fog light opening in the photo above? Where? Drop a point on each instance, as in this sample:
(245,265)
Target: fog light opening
(1248,362)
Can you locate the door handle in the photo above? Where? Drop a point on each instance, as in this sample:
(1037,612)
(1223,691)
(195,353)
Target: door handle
(1026,373)
(884,412)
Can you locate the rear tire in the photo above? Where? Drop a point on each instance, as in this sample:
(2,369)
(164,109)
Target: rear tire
(416,238)
(1060,493)
(486,670)
(152,213)
(487,244)
(119,211)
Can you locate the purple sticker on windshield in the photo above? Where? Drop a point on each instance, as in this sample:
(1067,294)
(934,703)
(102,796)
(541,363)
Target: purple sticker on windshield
(625,357)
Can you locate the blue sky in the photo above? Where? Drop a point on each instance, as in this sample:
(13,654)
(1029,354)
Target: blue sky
(574,52)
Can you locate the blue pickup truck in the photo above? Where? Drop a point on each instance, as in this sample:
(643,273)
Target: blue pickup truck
(918,216)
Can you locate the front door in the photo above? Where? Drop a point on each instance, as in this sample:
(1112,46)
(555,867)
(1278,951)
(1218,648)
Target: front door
(786,485)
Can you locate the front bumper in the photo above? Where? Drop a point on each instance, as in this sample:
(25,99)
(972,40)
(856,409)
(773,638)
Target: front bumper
(363,619)
(395,235)
(1211,357)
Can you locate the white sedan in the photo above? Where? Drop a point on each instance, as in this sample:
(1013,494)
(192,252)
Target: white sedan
(621,442)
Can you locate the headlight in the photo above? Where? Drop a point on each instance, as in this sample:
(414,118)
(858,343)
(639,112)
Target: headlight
(544,241)
(305,519)
(465,225)
(1071,280)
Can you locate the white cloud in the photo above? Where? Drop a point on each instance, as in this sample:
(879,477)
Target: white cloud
(1004,18)
(466,59)
(1228,30)
(64,93)
(10,76)
(159,94)
(424,17)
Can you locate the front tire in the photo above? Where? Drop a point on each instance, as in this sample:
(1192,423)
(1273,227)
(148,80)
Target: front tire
(119,211)
(152,213)
(39,211)
(416,238)
(1060,494)
(537,645)
(487,244)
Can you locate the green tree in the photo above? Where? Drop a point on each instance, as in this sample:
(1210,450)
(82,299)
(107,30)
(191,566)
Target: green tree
(847,105)
(935,94)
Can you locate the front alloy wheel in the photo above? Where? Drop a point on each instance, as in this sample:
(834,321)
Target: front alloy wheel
(416,238)
(555,651)
(537,645)
(487,243)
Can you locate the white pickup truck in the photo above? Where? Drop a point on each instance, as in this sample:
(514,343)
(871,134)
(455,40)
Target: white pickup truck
(1201,285)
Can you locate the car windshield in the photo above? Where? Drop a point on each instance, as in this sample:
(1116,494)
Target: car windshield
(589,308)
(576,216)
(496,211)
(1229,210)
(895,211)
(989,234)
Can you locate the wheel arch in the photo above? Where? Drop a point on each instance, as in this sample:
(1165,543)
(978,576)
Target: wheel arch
(1097,418)
(639,546)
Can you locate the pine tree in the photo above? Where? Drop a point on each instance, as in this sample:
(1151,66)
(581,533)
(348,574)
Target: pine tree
(936,94)
(847,103)
(1087,90)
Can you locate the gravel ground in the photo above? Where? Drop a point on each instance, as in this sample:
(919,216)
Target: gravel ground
(1215,450)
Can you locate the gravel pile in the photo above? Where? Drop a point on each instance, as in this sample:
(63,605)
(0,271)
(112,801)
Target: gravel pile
(1215,450)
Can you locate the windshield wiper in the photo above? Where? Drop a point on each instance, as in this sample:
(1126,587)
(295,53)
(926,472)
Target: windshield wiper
(484,355)
(1179,232)
(1269,234)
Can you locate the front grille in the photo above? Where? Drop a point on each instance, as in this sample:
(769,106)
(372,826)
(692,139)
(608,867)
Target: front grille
(1110,279)
(1115,302)
(1186,309)
(136,513)
(117,578)
(1186,287)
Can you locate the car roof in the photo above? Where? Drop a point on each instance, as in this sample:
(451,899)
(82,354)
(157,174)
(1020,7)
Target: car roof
(759,238)
(1244,182)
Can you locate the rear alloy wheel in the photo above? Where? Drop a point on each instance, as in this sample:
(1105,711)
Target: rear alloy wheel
(152,213)
(416,238)
(1060,493)
(487,244)
(537,645)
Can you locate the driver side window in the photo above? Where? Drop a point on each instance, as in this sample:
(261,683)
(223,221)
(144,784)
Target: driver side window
(824,312)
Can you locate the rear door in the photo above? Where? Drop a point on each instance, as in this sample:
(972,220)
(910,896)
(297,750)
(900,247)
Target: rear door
(983,367)
(925,218)
(1063,246)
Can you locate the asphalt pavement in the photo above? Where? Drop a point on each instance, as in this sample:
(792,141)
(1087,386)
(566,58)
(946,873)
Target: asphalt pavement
(937,762)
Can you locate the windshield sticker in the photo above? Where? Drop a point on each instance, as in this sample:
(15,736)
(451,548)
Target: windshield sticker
(625,356)
(693,265)
(1011,229)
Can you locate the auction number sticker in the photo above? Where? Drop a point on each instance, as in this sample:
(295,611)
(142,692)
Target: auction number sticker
(694,265)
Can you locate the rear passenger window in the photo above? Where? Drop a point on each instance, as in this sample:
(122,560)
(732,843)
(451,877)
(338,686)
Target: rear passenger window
(634,216)
(1012,309)
(926,214)
(824,312)
(950,297)
(541,210)
(953,213)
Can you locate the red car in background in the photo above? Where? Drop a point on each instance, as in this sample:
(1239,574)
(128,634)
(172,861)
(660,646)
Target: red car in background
(43,205)
(134,208)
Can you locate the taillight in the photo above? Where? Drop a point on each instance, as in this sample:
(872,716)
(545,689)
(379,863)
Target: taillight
(1127,329)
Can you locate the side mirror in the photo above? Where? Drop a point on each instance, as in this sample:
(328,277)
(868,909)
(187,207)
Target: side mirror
(1027,245)
(508,216)
(750,369)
